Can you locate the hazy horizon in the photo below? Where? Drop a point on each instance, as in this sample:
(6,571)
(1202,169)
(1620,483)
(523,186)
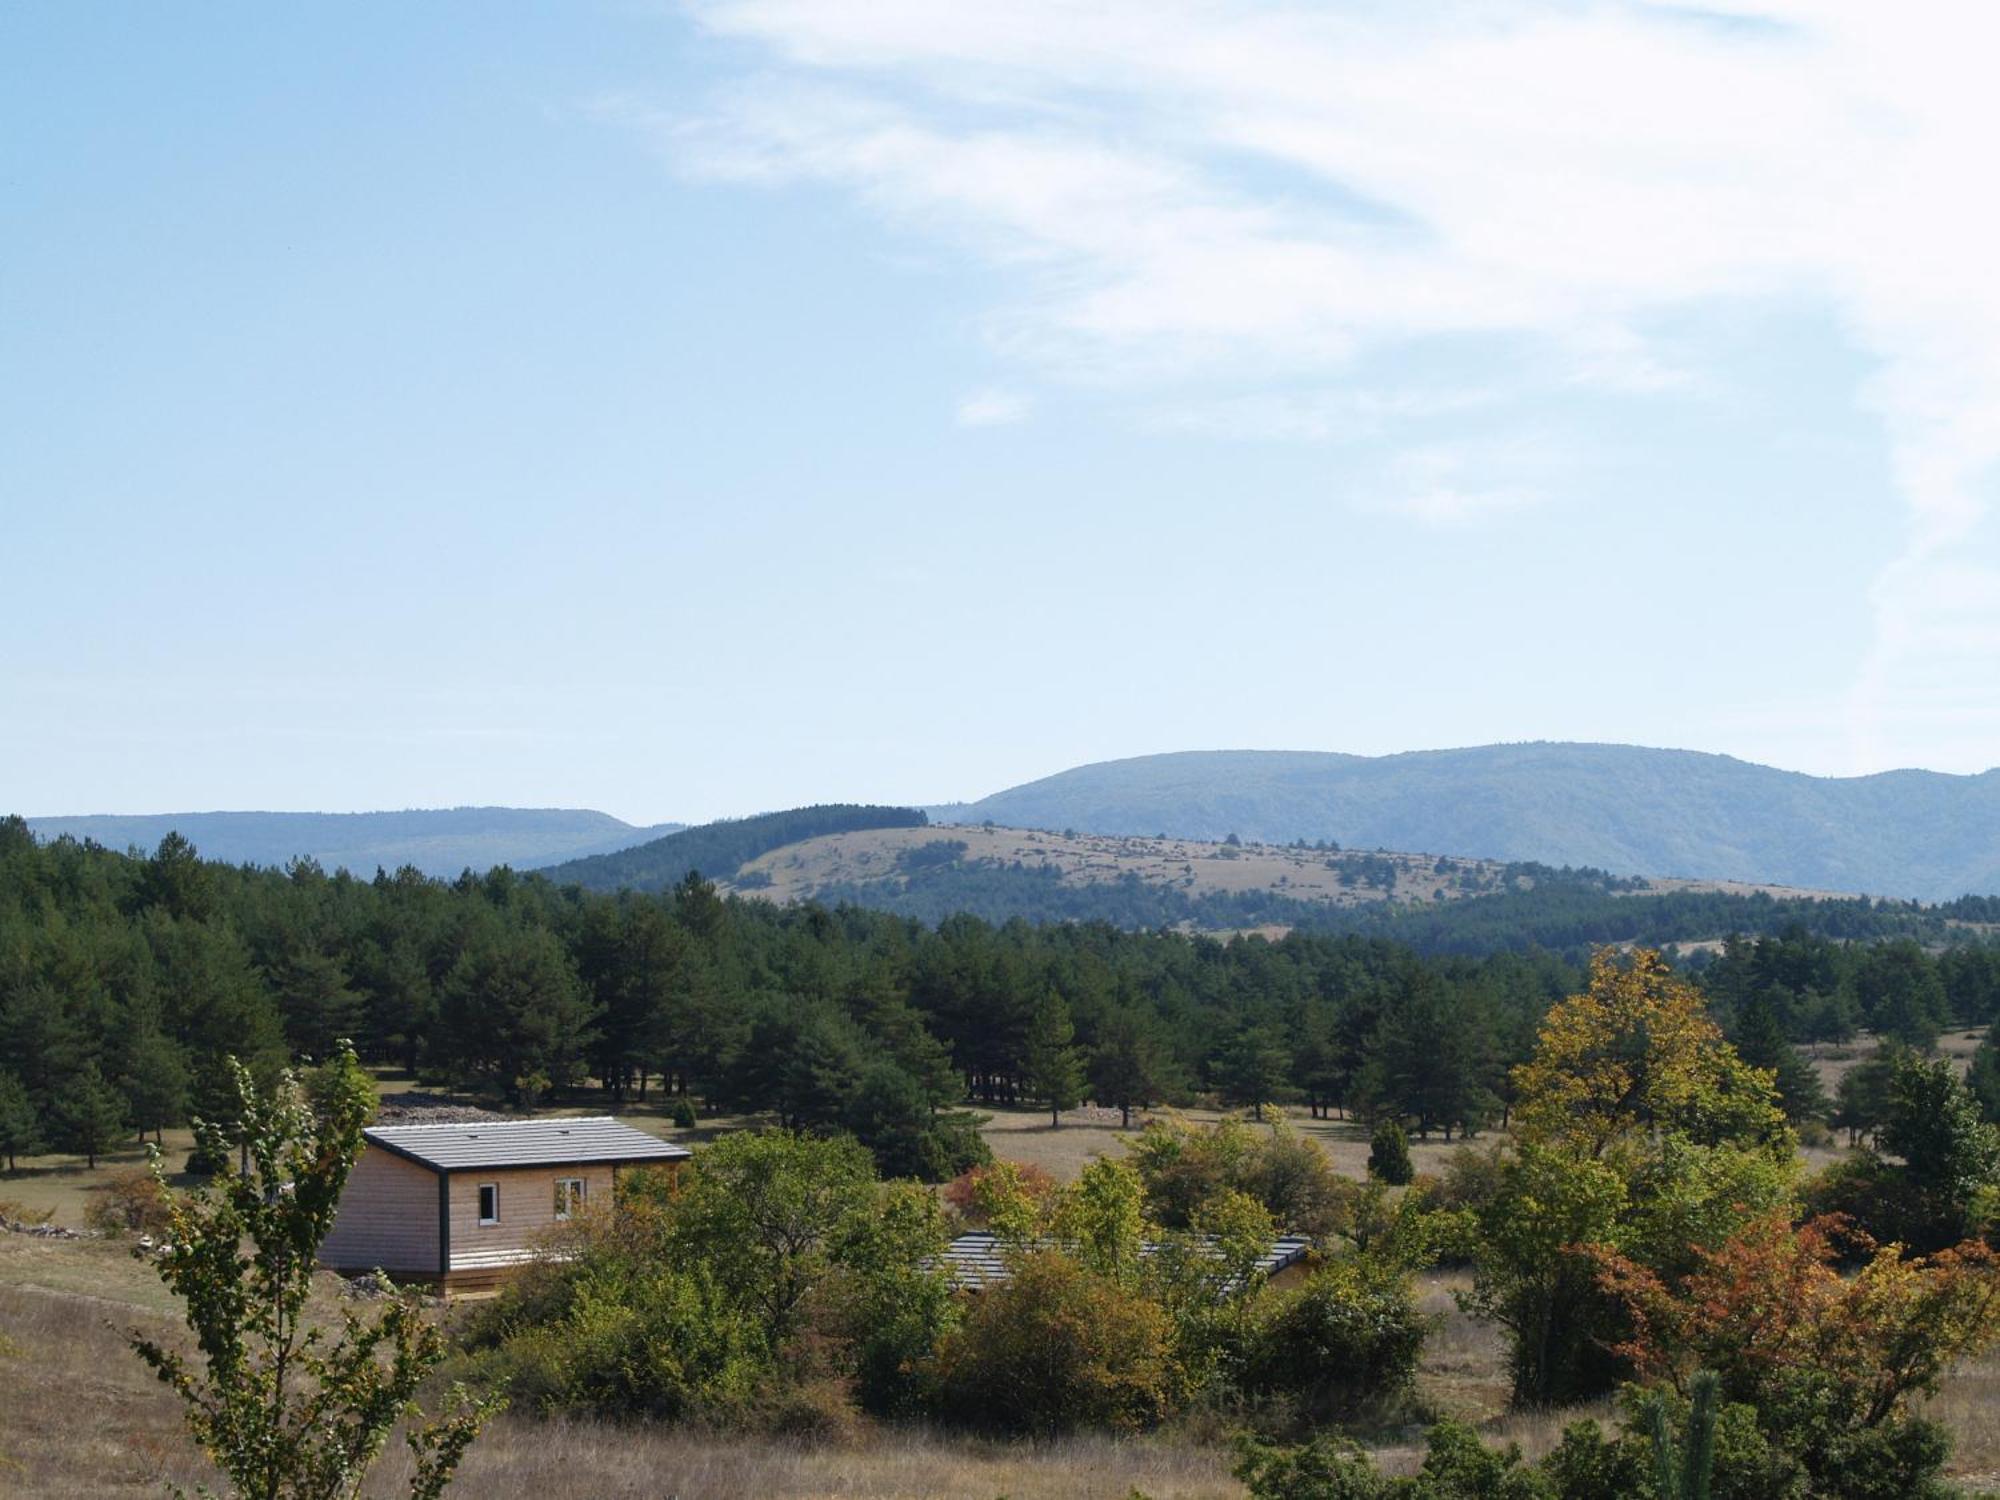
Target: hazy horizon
(962,799)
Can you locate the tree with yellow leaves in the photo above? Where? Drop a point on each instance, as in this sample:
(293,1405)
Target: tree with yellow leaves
(1635,1056)
(1639,1130)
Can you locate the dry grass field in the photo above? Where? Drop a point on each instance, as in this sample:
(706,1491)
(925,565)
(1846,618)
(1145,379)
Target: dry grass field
(802,870)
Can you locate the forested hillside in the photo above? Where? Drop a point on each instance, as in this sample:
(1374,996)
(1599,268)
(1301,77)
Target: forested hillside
(718,850)
(437,841)
(1621,808)
(125,981)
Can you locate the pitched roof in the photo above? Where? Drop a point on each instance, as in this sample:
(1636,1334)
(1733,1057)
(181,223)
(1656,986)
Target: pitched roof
(522,1143)
(977,1260)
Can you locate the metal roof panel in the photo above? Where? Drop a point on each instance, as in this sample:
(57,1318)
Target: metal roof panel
(465,1145)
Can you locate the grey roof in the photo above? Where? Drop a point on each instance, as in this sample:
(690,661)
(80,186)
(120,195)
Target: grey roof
(978,1260)
(467,1144)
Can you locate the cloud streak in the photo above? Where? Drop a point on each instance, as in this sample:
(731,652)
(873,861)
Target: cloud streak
(1215,190)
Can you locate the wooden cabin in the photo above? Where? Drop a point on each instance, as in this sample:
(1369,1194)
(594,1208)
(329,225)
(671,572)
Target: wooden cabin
(463,1205)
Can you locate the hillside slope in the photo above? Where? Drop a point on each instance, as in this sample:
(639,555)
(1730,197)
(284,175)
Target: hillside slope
(438,841)
(719,850)
(1621,808)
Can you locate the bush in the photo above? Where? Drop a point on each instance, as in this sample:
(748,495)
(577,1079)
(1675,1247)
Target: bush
(969,1193)
(1056,1348)
(201,1164)
(1389,1155)
(127,1202)
(1348,1339)
(1187,1166)
(632,1342)
(683,1114)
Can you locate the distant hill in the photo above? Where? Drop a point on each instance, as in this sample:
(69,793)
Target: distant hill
(1619,808)
(719,850)
(438,841)
(1435,903)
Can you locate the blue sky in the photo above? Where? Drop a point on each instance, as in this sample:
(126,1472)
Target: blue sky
(686,410)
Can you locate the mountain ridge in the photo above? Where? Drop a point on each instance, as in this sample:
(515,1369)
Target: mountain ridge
(1631,810)
(438,841)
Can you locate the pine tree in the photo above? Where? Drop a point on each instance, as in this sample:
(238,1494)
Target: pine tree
(1127,1067)
(314,999)
(92,1115)
(20,1127)
(1760,1041)
(1389,1155)
(1984,1078)
(1429,1061)
(1054,1070)
(154,1078)
(1253,1068)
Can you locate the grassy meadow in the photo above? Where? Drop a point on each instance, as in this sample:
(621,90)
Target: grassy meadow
(84,1418)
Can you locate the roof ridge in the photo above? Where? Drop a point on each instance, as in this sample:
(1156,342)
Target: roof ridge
(473,1124)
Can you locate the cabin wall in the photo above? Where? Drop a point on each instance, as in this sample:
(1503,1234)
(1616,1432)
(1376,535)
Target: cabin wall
(387,1220)
(527,1211)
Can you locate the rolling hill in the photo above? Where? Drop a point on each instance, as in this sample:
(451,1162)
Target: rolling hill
(1620,808)
(437,841)
(720,850)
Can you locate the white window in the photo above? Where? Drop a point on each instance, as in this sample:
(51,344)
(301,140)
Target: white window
(489,1203)
(569,1196)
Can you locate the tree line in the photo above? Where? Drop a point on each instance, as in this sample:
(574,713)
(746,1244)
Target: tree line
(126,980)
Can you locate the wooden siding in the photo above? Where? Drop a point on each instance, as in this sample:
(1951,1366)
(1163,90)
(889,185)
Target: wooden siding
(388,1218)
(527,1211)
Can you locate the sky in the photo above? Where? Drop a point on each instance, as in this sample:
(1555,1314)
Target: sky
(693,409)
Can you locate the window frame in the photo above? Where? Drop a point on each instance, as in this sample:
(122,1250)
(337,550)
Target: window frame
(567,1204)
(479,1196)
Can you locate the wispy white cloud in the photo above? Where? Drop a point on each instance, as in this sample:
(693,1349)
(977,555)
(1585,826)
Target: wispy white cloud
(1228,190)
(1454,485)
(1332,414)
(991,408)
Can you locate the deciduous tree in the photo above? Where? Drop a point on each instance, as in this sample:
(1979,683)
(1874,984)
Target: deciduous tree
(288,1409)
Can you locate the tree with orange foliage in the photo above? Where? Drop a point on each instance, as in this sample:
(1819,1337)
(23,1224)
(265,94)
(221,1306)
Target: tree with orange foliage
(1830,1362)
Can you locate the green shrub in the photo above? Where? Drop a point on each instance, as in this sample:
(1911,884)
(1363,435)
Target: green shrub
(1057,1348)
(1389,1155)
(683,1114)
(659,1344)
(1350,1337)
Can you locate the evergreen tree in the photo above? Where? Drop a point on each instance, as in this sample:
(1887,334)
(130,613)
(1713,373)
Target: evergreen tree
(1984,1077)
(513,1016)
(1054,1072)
(20,1127)
(92,1115)
(1429,1061)
(1864,1096)
(1389,1155)
(154,1078)
(177,881)
(1253,1068)
(1127,1066)
(1760,1041)
(1901,994)
(314,1000)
